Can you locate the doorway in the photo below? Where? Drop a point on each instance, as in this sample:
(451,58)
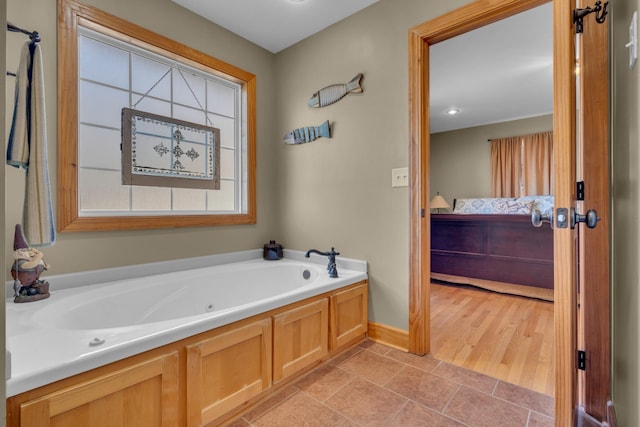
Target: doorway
(499,81)
(459,21)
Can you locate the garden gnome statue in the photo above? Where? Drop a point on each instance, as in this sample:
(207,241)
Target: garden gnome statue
(27,266)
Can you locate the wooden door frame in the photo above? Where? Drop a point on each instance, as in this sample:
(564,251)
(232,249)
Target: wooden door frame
(464,19)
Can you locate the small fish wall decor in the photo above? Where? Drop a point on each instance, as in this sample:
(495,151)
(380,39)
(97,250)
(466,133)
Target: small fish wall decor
(334,93)
(307,134)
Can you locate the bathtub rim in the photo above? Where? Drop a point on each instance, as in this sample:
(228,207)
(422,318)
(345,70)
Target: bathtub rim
(112,274)
(23,383)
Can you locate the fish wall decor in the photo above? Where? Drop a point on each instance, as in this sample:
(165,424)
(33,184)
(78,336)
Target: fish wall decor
(334,93)
(307,134)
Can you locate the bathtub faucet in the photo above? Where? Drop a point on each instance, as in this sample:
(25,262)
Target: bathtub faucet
(331,268)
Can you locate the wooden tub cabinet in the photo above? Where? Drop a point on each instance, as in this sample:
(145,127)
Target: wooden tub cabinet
(300,338)
(205,379)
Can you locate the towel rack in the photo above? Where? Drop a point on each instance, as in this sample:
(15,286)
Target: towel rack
(33,35)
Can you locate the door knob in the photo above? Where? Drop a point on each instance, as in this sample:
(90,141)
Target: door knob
(537,218)
(590,218)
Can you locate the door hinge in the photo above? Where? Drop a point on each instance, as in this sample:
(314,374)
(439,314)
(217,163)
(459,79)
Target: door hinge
(580,190)
(422,213)
(582,360)
(600,11)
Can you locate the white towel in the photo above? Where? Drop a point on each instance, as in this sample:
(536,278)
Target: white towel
(28,148)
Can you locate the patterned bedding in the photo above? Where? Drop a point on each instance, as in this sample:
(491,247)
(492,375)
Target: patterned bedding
(511,205)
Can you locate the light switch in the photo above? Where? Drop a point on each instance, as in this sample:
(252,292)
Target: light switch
(400,177)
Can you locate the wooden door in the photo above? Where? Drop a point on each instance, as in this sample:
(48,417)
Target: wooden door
(582,254)
(593,169)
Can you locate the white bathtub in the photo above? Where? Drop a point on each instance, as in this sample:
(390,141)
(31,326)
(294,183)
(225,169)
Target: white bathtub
(83,327)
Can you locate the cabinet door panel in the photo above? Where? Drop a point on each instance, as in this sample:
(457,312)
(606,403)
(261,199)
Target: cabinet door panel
(300,337)
(227,370)
(143,394)
(348,316)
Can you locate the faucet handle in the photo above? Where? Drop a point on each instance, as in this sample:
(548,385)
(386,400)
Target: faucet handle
(332,268)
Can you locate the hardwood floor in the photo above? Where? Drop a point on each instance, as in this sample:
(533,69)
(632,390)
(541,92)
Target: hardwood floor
(503,336)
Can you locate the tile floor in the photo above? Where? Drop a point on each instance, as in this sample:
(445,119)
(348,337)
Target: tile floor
(374,385)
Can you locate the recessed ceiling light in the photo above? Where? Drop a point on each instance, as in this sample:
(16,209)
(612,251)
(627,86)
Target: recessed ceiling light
(296,1)
(452,111)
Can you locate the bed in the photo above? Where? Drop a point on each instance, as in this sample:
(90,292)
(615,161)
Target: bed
(491,243)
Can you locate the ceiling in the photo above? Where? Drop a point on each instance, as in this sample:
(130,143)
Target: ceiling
(275,24)
(497,73)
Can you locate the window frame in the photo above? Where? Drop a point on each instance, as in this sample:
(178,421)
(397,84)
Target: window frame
(70,15)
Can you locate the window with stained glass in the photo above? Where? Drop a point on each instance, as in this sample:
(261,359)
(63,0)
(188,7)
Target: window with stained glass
(114,74)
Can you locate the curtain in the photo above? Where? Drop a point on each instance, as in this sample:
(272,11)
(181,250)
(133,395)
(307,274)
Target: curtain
(506,167)
(522,165)
(537,164)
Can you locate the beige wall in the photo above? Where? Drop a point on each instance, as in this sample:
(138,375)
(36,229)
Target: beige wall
(85,251)
(337,192)
(626,227)
(460,159)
